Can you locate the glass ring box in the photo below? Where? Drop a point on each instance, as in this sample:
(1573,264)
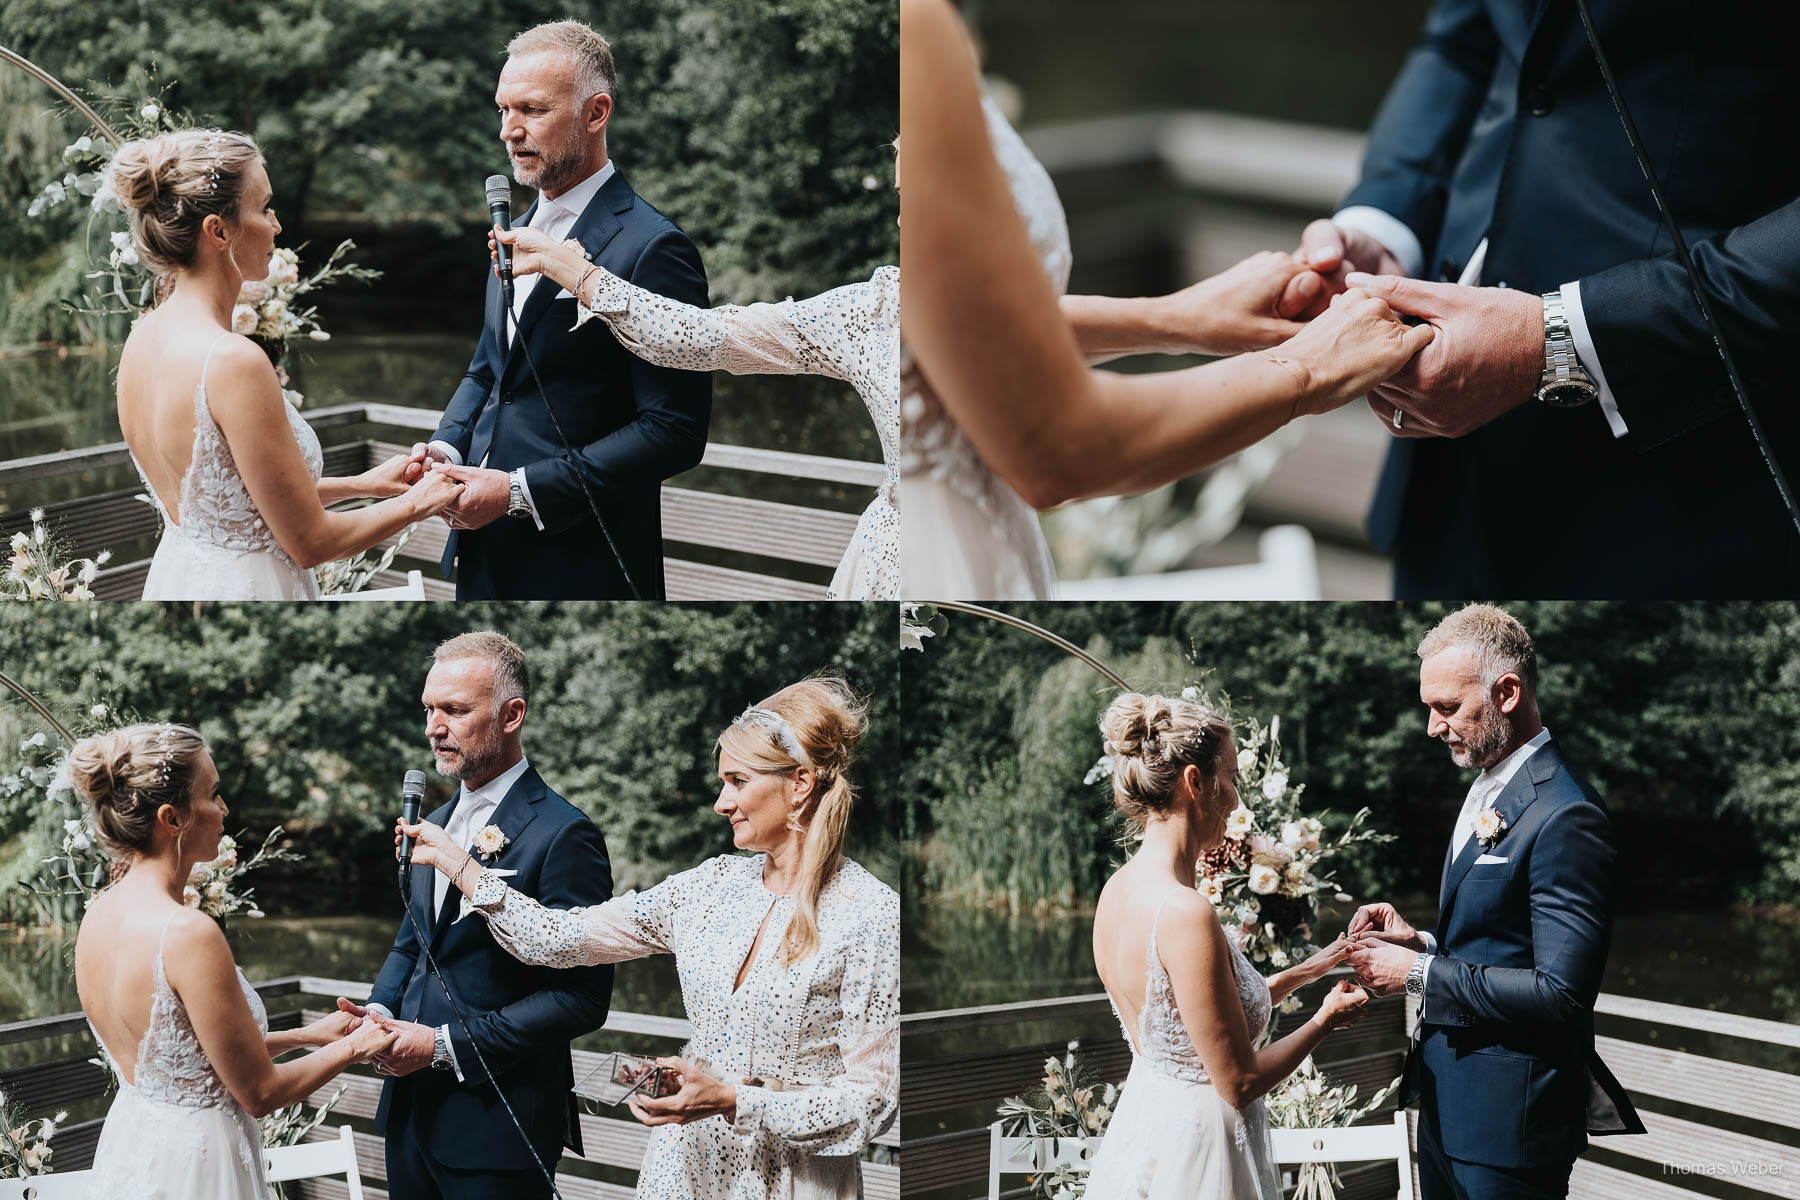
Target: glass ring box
(621,1076)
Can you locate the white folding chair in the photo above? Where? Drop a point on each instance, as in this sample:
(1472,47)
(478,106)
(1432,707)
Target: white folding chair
(1030,1155)
(312,1159)
(412,589)
(1362,1143)
(65,1185)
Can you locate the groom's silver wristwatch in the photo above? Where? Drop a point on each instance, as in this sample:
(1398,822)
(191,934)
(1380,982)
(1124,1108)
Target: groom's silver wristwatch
(1565,382)
(1415,978)
(440,1048)
(515,496)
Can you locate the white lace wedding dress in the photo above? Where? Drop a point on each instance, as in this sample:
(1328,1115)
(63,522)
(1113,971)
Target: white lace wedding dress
(222,549)
(174,1132)
(1172,1136)
(820,1038)
(967,534)
(850,333)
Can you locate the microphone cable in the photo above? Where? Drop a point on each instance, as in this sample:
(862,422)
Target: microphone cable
(1687,265)
(456,1010)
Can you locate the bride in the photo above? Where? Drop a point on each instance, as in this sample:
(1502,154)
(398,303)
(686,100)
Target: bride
(1190,1122)
(789,962)
(233,469)
(999,415)
(185,1032)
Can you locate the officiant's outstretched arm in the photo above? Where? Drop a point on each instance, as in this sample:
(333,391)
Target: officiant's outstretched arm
(593,427)
(850,333)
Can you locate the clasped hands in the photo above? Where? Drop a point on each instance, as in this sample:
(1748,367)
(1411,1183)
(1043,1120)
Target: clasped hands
(1384,948)
(486,493)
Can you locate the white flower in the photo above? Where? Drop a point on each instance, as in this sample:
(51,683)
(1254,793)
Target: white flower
(21,542)
(1190,694)
(243,319)
(1239,822)
(283,271)
(215,890)
(190,896)
(1274,785)
(319,335)
(99,710)
(1266,851)
(80,841)
(490,841)
(105,199)
(1263,880)
(71,827)
(150,112)
(1489,825)
(78,147)
(54,193)
(254,291)
(1246,759)
(1215,895)
(1296,873)
(1279,957)
(32,1159)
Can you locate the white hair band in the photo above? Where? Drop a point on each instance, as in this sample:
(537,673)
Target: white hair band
(773,722)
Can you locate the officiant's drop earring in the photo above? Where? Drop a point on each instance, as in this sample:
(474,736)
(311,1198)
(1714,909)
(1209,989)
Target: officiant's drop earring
(793,821)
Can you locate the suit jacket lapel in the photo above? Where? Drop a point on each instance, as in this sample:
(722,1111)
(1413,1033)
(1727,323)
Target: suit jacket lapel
(1511,803)
(594,228)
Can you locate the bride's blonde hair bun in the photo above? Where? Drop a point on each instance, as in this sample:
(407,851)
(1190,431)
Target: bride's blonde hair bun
(125,775)
(1150,739)
(170,184)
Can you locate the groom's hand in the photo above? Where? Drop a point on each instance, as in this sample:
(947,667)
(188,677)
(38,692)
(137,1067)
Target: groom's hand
(410,1052)
(1485,361)
(1383,923)
(1333,253)
(419,461)
(1381,966)
(486,494)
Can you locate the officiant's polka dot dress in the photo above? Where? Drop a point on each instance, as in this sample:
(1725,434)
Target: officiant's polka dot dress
(821,1036)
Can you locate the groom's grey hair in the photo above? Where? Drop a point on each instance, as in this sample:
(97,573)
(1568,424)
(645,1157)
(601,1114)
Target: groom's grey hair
(512,678)
(1500,643)
(582,45)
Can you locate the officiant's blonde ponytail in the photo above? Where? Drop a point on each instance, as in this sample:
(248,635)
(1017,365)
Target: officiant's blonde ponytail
(170,184)
(826,719)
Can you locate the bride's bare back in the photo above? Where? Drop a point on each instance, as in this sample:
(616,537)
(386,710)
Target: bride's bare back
(1123,916)
(159,371)
(115,964)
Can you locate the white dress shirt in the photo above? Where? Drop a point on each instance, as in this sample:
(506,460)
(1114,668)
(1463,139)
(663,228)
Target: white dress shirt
(1403,244)
(556,218)
(1482,793)
(473,809)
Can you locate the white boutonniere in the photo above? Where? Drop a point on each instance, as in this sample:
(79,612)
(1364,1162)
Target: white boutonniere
(1489,825)
(575,245)
(489,843)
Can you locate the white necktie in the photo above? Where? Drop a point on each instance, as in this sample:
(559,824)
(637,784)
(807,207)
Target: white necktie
(549,217)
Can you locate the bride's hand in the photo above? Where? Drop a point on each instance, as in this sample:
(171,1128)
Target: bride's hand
(529,246)
(391,478)
(701,1096)
(370,1040)
(1355,344)
(1325,958)
(432,847)
(331,1027)
(1343,1006)
(434,492)
(1246,307)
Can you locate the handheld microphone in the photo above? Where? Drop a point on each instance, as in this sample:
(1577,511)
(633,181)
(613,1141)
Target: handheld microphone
(412,792)
(499,201)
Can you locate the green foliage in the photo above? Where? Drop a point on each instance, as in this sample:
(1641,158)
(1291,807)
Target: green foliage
(760,126)
(1685,716)
(312,714)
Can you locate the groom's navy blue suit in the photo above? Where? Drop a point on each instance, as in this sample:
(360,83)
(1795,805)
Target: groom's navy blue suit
(522,1017)
(1504,1070)
(632,425)
(1499,126)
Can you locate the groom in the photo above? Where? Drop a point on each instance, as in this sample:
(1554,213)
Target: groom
(1498,160)
(1502,1064)
(524,527)
(448,1135)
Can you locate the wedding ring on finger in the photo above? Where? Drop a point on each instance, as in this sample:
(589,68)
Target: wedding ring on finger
(1397,418)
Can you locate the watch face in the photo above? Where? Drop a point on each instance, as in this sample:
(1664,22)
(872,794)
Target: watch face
(1567,395)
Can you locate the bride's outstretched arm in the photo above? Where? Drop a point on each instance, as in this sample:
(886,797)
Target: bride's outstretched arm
(984,326)
(821,335)
(201,970)
(1199,963)
(246,402)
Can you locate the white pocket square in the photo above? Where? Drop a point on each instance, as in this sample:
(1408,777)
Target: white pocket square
(564,294)
(1489,859)
(468,908)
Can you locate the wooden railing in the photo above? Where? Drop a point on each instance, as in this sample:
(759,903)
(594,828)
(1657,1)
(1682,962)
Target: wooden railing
(1716,1120)
(791,537)
(40,1087)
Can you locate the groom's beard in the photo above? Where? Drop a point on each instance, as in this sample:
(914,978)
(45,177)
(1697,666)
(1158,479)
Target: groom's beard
(551,170)
(474,757)
(1487,743)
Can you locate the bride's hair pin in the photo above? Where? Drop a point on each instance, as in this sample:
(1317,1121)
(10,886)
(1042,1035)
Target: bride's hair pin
(773,722)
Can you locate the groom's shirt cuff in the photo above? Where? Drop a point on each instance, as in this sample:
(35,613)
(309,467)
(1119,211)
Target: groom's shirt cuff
(1425,979)
(450,452)
(383,1009)
(1590,357)
(450,1048)
(525,490)
(1387,229)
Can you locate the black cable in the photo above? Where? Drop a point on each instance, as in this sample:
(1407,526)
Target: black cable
(1687,265)
(575,461)
(431,964)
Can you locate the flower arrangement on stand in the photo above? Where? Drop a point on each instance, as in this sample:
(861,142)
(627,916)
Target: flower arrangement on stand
(918,622)
(44,566)
(1068,1104)
(1306,1101)
(25,1144)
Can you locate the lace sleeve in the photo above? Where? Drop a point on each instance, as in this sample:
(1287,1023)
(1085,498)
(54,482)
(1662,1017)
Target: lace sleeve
(635,925)
(794,337)
(841,1117)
